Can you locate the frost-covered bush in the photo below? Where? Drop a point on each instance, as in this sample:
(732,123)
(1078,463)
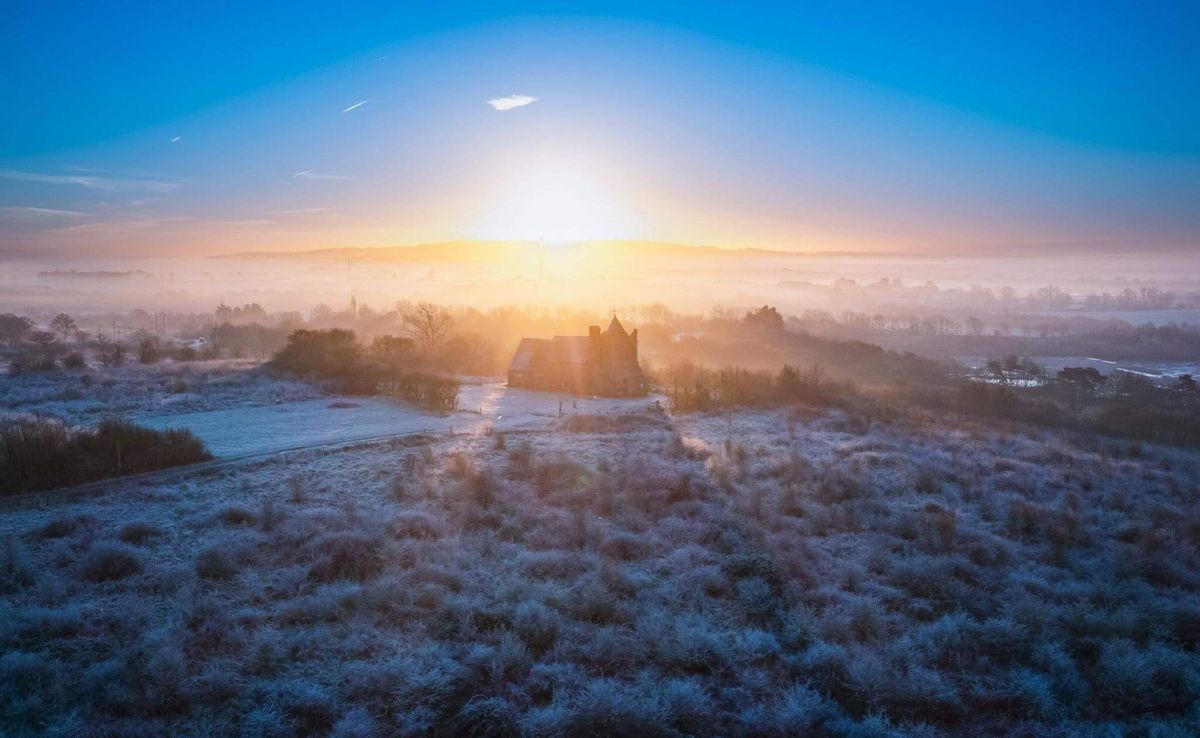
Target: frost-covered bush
(350,555)
(39,453)
(110,561)
(216,562)
(536,625)
(139,532)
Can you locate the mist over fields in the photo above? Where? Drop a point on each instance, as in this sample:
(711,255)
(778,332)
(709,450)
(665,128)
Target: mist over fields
(593,276)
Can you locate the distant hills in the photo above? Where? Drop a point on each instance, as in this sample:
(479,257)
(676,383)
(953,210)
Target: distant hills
(483,251)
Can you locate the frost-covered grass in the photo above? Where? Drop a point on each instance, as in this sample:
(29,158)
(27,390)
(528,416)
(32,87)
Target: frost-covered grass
(86,395)
(739,574)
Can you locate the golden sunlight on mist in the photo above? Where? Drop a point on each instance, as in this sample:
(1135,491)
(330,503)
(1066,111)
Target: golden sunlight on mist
(555,202)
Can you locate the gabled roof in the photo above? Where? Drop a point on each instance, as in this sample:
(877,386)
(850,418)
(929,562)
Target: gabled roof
(532,352)
(615,327)
(526,355)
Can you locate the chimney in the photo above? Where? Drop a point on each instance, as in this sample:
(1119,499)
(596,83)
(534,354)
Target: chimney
(593,331)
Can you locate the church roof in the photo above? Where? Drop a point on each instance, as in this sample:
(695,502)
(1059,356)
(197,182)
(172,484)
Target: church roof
(538,353)
(615,327)
(523,360)
(534,352)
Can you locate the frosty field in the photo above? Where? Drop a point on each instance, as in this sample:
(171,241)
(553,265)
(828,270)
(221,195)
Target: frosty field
(613,570)
(237,409)
(257,429)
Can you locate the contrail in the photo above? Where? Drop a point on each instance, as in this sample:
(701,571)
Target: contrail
(355,105)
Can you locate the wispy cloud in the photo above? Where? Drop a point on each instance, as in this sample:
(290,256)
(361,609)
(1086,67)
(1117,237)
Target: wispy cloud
(358,104)
(19,211)
(511,101)
(299,211)
(124,225)
(313,174)
(92,181)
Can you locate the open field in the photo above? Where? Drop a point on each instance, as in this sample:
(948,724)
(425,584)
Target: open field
(166,388)
(238,431)
(238,409)
(615,570)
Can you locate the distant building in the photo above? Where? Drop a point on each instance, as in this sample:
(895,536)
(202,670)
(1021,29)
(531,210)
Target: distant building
(600,363)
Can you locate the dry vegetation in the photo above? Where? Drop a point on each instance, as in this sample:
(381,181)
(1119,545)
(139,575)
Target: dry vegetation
(755,572)
(38,453)
(89,394)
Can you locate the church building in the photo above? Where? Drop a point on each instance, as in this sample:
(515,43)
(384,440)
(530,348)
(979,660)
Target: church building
(600,363)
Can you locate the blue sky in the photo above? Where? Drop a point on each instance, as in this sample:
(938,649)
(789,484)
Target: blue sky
(934,127)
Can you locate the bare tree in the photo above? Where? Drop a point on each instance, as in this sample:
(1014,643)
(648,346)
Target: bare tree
(63,325)
(428,324)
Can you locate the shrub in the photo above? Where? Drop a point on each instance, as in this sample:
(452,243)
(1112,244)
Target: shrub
(15,571)
(310,709)
(73,360)
(927,482)
(61,527)
(148,351)
(336,355)
(520,461)
(138,532)
(319,353)
(297,485)
(626,546)
(488,717)
(481,487)
(536,626)
(111,354)
(413,524)
(216,562)
(110,562)
(235,515)
(839,485)
(753,566)
(556,476)
(1024,519)
(269,515)
(356,723)
(39,453)
(608,707)
(426,390)
(347,555)
(591,601)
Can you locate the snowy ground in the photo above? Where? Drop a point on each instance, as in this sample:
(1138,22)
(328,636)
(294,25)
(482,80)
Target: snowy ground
(239,409)
(258,429)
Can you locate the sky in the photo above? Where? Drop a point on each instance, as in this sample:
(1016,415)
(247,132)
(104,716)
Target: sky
(164,129)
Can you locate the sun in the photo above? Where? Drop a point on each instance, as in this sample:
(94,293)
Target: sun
(555,203)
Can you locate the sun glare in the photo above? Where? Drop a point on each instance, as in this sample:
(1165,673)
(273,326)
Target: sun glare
(555,204)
